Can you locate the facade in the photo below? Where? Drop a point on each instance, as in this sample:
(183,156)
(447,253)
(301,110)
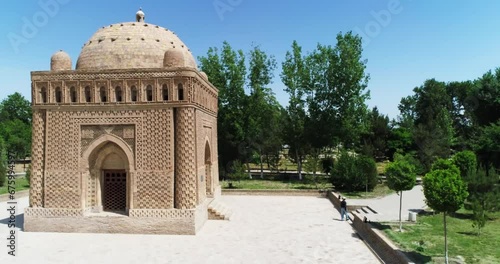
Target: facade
(126,142)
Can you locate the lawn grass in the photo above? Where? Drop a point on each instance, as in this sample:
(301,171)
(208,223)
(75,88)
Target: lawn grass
(270,184)
(380,190)
(424,241)
(21,184)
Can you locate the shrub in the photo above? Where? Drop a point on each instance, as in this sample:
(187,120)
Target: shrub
(354,173)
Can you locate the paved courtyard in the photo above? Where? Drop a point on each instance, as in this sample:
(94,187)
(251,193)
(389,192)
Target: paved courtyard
(262,230)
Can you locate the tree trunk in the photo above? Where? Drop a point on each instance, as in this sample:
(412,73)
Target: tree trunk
(400,206)
(299,163)
(249,172)
(261,166)
(445,240)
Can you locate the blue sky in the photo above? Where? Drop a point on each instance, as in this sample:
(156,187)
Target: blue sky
(406,42)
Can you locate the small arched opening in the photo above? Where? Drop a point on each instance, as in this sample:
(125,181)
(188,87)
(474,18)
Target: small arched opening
(180,92)
(104,95)
(149,93)
(72,94)
(43,95)
(208,170)
(133,94)
(58,95)
(164,92)
(88,95)
(118,93)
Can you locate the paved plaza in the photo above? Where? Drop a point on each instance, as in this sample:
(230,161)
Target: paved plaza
(262,230)
(387,207)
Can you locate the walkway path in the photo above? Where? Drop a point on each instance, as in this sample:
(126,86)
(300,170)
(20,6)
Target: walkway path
(263,229)
(387,208)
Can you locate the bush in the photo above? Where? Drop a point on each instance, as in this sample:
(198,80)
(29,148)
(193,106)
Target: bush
(354,173)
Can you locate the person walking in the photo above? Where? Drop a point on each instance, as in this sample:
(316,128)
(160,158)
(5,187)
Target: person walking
(343,209)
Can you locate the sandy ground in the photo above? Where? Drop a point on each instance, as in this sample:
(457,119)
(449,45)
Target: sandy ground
(262,230)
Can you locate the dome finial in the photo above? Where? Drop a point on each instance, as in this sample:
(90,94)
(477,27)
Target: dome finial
(139,16)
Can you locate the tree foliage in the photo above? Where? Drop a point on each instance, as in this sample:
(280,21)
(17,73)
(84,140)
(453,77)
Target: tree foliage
(444,189)
(337,92)
(466,162)
(400,175)
(3,163)
(354,173)
(15,125)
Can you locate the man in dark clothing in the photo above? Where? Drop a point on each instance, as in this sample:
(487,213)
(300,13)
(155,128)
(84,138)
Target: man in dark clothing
(343,209)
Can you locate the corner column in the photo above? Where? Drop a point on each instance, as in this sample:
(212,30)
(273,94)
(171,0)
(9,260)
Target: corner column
(185,158)
(37,158)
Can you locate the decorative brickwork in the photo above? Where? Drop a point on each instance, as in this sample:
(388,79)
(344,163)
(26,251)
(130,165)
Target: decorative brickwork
(154,190)
(37,159)
(185,169)
(62,189)
(166,213)
(50,212)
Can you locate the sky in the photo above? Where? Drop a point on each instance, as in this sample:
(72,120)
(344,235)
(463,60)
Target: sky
(405,42)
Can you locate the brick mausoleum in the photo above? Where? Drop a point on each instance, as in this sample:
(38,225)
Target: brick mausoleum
(127,141)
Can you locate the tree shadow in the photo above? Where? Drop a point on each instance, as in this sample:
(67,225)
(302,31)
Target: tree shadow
(468,233)
(19,221)
(463,216)
(380,226)
(417,257)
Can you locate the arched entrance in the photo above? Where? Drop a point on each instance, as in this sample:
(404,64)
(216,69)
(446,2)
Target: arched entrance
(208,170)
(108,162)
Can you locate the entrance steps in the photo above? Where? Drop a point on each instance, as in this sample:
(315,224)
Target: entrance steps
(219,211)
(368,212)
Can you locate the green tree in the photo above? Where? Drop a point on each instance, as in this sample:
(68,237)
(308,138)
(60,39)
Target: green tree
(374,140)
(484,195)
(485,102)
(227,71)
(444,192)
(400,177)
(486,144)
(295,77)
(263,113)
(337,93)
(3,163)
(466,162)
(354,173)
(15,125)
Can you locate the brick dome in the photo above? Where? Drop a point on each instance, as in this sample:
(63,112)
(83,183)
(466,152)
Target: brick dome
(60,61)
(131,45)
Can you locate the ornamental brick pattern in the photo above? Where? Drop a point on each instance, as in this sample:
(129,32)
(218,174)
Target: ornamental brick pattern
(37,159)
(185,169)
